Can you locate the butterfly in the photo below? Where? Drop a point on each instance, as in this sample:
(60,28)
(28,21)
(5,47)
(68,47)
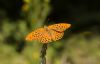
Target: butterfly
(49,33)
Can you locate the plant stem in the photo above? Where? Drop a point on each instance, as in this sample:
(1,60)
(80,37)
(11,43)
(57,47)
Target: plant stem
(43,54)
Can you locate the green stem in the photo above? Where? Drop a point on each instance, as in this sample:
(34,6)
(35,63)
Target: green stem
(43,54)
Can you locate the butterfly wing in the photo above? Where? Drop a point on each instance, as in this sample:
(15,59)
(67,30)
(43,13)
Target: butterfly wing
(40,34)
(46,35)
(34,35)
(60,27)
(56,35)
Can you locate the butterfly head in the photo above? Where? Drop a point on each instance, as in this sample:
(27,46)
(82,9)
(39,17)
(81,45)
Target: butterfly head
(46,28)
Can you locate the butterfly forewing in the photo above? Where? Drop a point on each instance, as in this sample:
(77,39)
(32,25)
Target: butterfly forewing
(40,34)
(34,35)
(59,27)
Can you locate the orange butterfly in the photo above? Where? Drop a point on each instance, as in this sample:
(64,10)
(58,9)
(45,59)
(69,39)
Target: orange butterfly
(48,34)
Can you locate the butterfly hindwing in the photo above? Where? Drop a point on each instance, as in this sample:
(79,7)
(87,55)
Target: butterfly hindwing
(56,35)
(45,36)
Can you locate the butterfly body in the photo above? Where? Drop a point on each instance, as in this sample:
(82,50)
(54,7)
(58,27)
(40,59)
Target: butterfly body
(48,33)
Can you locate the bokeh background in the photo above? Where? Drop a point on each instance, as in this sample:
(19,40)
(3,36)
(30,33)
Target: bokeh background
(80,44)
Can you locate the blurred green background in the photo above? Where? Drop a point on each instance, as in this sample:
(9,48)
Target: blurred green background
(80,44)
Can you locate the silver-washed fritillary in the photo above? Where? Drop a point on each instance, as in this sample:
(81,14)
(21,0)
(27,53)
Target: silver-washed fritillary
(48,34)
